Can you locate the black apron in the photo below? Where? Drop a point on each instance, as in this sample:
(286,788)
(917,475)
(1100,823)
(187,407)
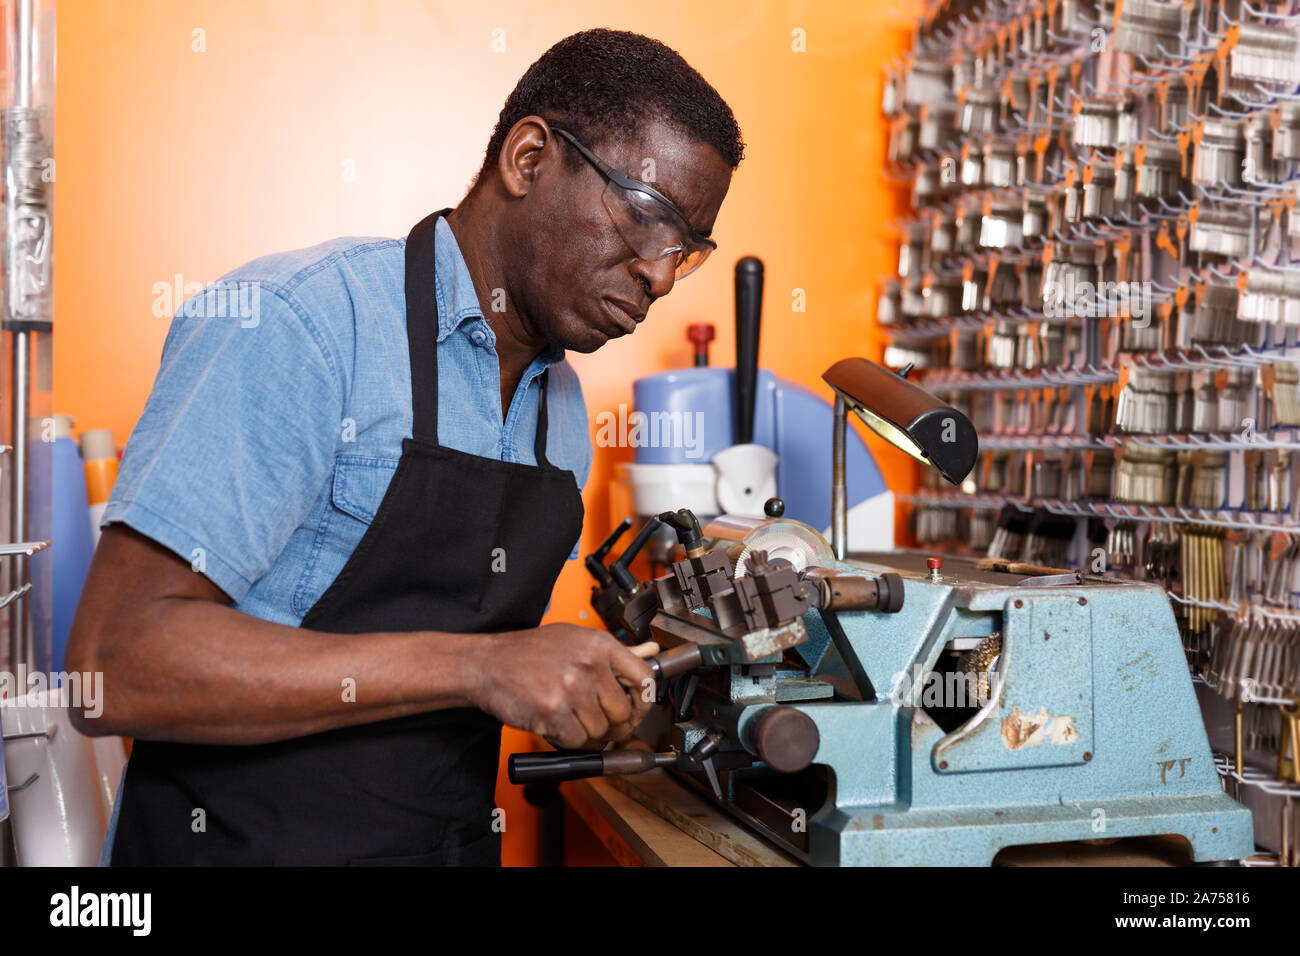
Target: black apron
(415,790)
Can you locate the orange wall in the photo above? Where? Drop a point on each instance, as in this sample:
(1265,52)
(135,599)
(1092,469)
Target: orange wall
(175,161)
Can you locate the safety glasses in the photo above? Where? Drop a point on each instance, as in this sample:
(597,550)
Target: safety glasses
(651,224)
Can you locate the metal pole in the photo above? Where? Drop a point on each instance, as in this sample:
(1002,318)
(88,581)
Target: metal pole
(23,53)
(839,488)
(18,516)
(23,42)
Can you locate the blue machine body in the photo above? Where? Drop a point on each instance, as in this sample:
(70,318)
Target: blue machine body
(791,420)
(1090,731)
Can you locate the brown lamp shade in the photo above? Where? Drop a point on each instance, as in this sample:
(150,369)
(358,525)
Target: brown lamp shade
(907,416)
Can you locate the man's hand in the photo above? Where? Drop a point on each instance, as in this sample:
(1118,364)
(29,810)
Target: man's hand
(572,685)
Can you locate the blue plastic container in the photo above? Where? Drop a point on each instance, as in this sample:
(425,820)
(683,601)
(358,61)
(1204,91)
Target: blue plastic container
(59,513)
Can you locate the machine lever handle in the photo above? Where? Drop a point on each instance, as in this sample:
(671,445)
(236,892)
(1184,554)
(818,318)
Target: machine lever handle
(851,592)
(579,764)
(749,313)
(674,661)
(618,570)
(595,561)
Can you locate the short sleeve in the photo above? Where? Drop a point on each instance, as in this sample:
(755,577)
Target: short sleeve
(238,435)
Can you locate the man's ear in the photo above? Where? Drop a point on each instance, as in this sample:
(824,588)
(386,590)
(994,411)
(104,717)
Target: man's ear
(524,151)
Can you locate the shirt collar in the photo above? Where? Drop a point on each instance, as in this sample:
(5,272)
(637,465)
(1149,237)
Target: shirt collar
(457,300)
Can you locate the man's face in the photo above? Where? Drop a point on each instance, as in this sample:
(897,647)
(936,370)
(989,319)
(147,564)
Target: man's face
(573,263)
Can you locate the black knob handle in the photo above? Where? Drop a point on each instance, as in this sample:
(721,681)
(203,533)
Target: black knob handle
(749,314)
(786,739)
(530,768)
(774,507)
(890,586)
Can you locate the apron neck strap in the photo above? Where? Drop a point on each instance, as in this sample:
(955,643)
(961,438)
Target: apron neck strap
(422,339)
(422,327)
(539,440)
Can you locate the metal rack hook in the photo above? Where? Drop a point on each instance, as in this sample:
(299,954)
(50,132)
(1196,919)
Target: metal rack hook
(1277,94)
(1141,79)
(1153,66)
(946,34)
(48,734)
(1149,361)
(1253,104)
(1065,40)
(1020,121)
(1243,359)
(1172,57)
(1229,113)
(1275,189)
(1236,197)
(1291,268)
(25,784)
(1104,234)
(1209,361)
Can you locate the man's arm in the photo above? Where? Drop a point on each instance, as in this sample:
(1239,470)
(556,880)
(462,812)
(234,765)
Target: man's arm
(180,664)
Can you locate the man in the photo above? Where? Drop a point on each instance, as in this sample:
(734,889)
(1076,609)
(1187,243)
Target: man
(337,525)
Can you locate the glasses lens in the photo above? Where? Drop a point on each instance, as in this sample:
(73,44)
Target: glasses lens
(692,261)
(652,230)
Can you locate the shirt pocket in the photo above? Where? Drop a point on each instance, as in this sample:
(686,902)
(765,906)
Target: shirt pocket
(357,489)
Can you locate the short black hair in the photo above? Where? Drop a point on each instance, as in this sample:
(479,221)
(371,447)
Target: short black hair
(602,84)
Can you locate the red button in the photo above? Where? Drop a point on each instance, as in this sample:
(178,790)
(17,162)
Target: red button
(934,564)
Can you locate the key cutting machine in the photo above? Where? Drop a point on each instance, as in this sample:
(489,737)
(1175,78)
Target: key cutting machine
(893,709)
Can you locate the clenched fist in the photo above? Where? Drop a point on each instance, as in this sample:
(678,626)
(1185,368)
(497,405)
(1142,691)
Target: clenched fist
(575,686)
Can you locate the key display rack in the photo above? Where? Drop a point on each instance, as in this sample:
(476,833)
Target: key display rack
(1099,269)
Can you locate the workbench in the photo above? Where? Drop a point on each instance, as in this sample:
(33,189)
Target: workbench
(652,819)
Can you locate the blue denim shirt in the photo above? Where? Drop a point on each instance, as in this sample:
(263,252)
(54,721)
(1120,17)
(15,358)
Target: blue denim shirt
(277,417)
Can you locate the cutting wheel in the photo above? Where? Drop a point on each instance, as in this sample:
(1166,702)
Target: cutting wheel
(785,540)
